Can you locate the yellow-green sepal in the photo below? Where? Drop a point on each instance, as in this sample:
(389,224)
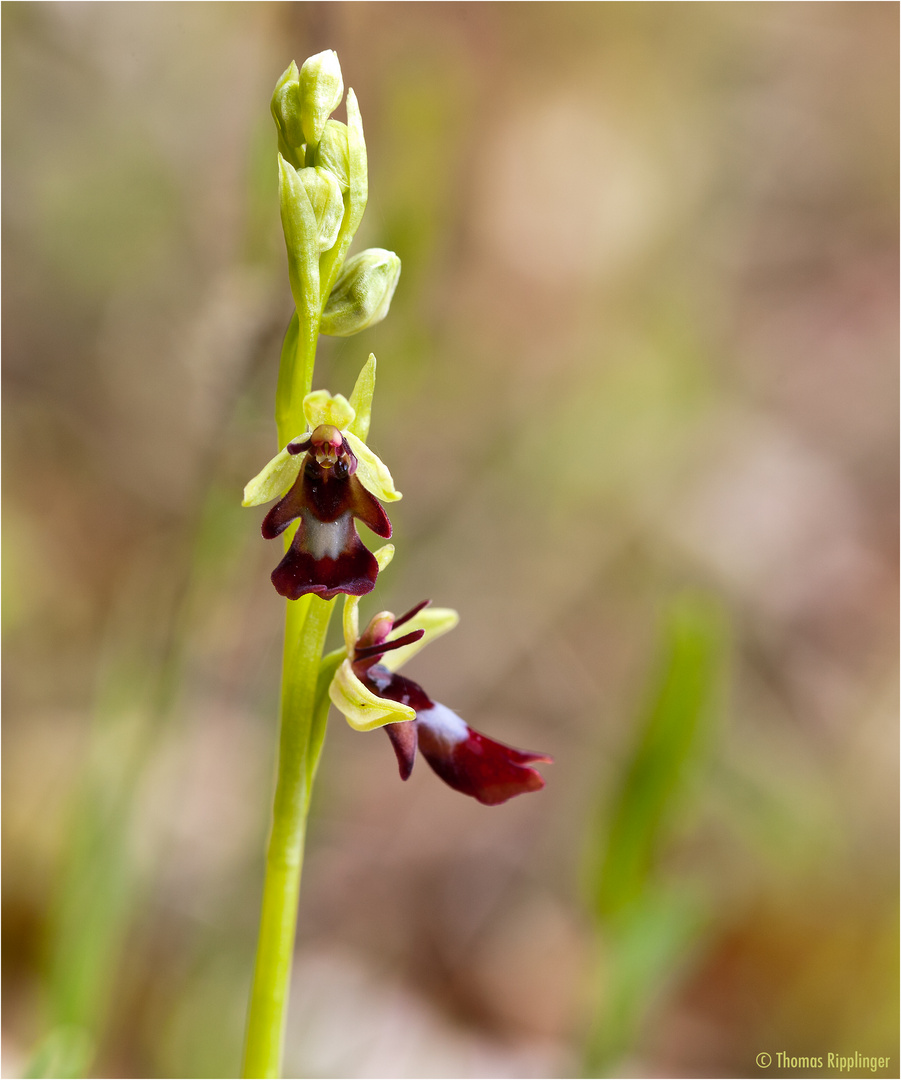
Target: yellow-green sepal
(363,710)
(372,472)
(361,399)
(274,479)
(435,622)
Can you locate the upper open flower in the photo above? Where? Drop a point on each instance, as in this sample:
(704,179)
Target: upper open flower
(367,689)
(327,477)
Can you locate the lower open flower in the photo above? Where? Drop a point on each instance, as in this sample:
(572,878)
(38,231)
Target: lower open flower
(370,693)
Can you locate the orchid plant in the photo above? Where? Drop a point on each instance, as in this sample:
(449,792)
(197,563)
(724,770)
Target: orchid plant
(324,479)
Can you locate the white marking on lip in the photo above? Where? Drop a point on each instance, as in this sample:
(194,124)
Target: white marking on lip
(444,724)
(325,539)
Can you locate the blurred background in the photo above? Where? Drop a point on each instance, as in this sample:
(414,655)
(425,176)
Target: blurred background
(639,388)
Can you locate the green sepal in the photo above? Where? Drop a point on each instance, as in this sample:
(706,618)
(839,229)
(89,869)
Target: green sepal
(361,399)
(372,472)
(435,622)
(274,479)
(364,710)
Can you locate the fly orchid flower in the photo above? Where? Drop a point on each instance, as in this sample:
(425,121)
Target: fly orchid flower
(331,477)
(368,691)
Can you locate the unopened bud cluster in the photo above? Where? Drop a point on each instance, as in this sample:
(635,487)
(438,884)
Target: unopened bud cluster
(322,192)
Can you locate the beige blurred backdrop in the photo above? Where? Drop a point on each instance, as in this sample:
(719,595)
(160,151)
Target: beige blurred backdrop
(645,338)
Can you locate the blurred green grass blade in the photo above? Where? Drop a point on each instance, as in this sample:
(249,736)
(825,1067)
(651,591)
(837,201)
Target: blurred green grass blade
(674,729)
(138,689)
(640,956)
(92,916)
(98,886)
(646,924)
(65,1053)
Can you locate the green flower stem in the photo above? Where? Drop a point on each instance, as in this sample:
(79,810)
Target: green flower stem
(299,746)
(303,713)
(295,374)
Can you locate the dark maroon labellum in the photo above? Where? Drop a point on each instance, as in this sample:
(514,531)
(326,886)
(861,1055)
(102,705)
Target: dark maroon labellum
(326,557)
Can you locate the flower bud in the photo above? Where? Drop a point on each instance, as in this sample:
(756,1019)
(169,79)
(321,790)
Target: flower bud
(333,153)
(362,294)
(285,107)
(321,88)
